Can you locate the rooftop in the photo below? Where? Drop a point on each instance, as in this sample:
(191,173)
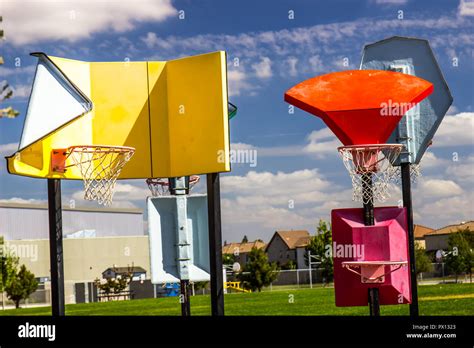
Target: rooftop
(242,247)
(453,228)
(44,206)
(294,238)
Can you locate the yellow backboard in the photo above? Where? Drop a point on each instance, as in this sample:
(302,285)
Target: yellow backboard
(174,114)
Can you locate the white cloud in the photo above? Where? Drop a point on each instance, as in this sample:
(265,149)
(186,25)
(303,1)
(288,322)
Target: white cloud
(455,130)
(430,161)
(8,149)
(21,91)
(448,210)
(263,69)
(316,63)
(466,8)
(238,83)
(261,202)
(436,188)
(462,171)
(292,61)
(34,21)
(322,142)
(5,71)
(153,41)
(18,200)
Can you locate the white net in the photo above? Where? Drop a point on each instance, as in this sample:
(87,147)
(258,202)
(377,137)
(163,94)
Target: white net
(100,167)
(371,170)
(160,186)
(415,173)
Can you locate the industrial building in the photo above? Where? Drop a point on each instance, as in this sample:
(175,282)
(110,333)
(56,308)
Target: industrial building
(94,240)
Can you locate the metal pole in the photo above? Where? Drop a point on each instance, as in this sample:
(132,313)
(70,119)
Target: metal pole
(185,303)
(374,304)
(56,247)
(407,203)
(215,244)
(310,270)
(179,187)
(368,201)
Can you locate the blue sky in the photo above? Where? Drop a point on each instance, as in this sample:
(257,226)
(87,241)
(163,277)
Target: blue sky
(297,157)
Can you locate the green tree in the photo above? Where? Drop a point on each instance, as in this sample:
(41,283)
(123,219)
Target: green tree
(460,258)
(258,272)
(289,265)
(320,246)
(22,285)
(245,239)
(6,92)
(8,266)
(228,259)
(423,262)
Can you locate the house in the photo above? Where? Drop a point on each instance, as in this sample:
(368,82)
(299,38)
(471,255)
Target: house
(288,246)
(241,250)
(438,239)
(138,273)
(419,232)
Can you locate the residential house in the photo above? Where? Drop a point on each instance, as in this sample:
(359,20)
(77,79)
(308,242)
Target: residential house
(288,247)
(241,250)
(438,239)
(419,232)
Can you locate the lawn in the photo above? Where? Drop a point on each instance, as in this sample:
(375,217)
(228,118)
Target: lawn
(442,299)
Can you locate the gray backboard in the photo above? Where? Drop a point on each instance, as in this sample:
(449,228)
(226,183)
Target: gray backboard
(163,234)
(414,57)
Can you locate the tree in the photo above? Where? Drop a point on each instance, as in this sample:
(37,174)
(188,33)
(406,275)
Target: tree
(228,259)
(245,239)
(423,262)
(22,285)
(8,267)
(258,272)
(289,265)
(460,258)
(319,245)
(6,92)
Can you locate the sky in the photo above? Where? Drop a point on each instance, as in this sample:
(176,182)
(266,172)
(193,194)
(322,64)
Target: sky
(271,46)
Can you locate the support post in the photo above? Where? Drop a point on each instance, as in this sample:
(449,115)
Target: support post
(368,201)
(179,187)
(185,303)
(215,244)
(407,203)
(56,247)
(374,303)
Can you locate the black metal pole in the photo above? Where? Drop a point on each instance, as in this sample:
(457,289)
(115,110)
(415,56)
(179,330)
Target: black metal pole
(368,199)
(185,303)
(215,244)
(368,202)
(56,247)
(374,303)
(407,203)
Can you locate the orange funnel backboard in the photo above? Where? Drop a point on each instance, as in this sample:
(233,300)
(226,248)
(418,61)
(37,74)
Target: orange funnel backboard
(360,106)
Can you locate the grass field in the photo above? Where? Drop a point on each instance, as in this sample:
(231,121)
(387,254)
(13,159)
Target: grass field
(442,299)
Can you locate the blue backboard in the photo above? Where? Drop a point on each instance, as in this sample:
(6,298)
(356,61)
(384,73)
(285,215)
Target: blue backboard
(414,57)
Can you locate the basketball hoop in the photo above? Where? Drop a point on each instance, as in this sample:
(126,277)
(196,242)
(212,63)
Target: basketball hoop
(375,161)
(371,272)
(160,186)
(99,165)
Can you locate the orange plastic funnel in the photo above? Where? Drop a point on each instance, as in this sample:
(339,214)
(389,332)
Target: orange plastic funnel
(360,106)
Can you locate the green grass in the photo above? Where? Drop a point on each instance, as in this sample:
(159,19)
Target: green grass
(456,299)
